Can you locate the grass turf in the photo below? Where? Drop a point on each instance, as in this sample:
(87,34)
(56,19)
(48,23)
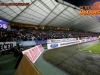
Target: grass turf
(74,62)
(7,64)
(93,49)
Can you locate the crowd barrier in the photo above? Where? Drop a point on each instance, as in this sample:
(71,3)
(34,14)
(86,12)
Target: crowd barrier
(26,67)
(51,43)
(56,43)
(34,52)
(8,45)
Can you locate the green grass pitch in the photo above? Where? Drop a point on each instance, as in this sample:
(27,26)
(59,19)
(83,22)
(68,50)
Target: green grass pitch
(76,62)
(93,49)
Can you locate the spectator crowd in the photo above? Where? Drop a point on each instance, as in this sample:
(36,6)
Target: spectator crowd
(30,34)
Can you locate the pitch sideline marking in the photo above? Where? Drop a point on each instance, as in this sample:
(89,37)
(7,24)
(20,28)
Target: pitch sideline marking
(89,46)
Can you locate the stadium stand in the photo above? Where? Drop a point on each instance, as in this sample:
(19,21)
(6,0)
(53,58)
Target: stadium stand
(27,34)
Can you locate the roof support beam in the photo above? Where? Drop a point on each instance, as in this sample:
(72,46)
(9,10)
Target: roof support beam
(7,14)
(49,13)
(22,11)
(10,8)
(49,8)
(56,16)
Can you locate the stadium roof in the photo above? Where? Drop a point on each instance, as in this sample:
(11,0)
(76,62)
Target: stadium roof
(49,13)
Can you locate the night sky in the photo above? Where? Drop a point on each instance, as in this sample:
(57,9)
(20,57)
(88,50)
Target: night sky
(82,2)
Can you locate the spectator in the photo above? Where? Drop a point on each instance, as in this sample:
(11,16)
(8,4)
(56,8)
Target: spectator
(30,34)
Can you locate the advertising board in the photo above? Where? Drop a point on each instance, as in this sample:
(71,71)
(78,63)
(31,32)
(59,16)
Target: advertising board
(53,45)
(56,43)
(60,40)
(33,53)
(6,45)
(3,25)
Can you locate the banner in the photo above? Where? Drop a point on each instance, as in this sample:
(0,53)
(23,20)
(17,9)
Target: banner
(32,43)
(34,53)
(53,45)
(27,43)
(6,45)
(71,39)
(56,43)
(60,40)
(38,42)
(56,40)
